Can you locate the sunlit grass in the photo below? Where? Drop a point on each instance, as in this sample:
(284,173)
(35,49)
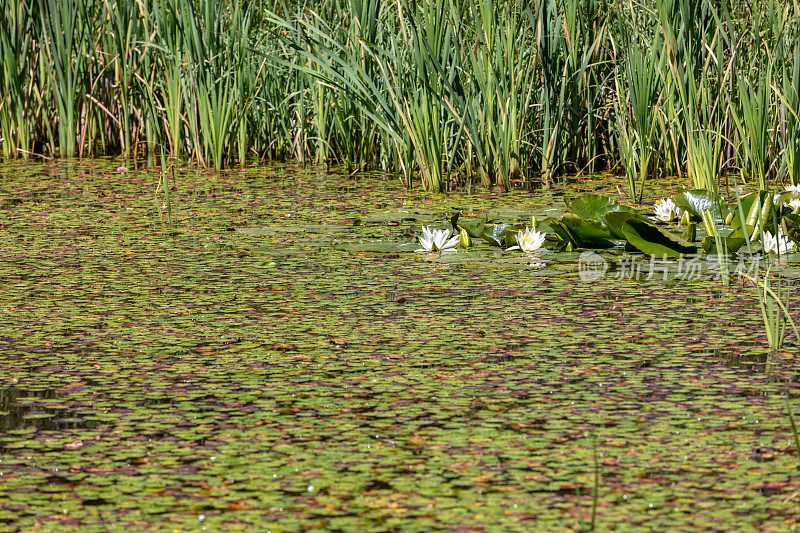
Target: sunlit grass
(774,302)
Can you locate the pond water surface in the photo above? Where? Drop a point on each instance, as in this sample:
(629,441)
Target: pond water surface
(272,359)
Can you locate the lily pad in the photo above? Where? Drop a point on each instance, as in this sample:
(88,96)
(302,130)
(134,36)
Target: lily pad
(696,201)
(473,226)
(733,244)
(510,215)
(595,207)
(759,208)
(787,197)
(615,220)
(746,203)
(653,240)
(301,228)
(495,234)
(792,227)
(581,233)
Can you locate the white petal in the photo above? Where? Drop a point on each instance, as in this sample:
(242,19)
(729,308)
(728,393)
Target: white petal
(779,244)
(439,237)
(768,242)
(784,243)
(533,240)
(662,212)
(451,244)
(426,242)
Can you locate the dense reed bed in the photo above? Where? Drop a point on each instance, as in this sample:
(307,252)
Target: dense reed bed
(441,92)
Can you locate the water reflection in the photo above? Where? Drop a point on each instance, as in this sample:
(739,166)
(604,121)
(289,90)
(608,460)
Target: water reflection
(19,408)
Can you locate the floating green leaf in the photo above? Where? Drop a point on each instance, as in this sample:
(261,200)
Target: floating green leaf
(474,226)
(595,207)
(760,208)
(378,246)
(792,227)
(732,244)
(697,200)
(581,233)
(615,220)
(495,234)
(654,240)
(402,215)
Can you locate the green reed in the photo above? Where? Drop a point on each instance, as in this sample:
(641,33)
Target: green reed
(66,51)
(638,114)
(774,302)
(17,48)
(753,120)
(216,41)
(789,95)
(754,112)
(502,88)
(697,79)
(169,89)
(551,45)
(436,91)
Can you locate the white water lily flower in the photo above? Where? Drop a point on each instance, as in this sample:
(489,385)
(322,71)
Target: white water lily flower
(779,244)
(435,240)
(529,240)
(666,210)
(793,188)
(795,205)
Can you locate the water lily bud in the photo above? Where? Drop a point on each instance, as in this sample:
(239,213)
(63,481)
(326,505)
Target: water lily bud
(686,218)
(569,246)
(691,232)
(533,221)
(709,223)
(729,218)
(464,240)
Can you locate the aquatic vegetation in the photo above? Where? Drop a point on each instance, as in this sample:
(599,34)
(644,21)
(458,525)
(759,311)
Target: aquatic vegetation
(16,117)
(696,201)
(774,302)
(444,93)
(433,240)
(208,372)
(528,240)
(464,239)
(599,222)
(637,119)
(789,95)
(753,118)
(666,210)
(778,243)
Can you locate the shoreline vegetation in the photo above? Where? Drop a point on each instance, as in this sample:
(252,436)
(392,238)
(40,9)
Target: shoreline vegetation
(441,93)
